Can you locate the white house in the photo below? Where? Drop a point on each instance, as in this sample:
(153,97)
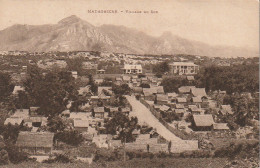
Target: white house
(132,69)
(181,68)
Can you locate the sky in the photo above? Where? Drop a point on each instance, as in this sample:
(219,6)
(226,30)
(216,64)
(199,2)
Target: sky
(215,22)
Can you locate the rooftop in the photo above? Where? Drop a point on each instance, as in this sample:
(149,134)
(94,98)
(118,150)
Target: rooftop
(35,139)
(203,120)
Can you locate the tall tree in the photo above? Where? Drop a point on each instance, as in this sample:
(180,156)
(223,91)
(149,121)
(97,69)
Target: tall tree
(122,126)
(51,92)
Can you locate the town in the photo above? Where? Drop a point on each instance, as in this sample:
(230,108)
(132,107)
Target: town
(91,107)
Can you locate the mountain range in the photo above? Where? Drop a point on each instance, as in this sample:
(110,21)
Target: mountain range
(75,34)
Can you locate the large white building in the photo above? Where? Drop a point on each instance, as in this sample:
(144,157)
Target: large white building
(133,69)
(184,68)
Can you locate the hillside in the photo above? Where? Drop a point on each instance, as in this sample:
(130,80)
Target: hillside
(73,33)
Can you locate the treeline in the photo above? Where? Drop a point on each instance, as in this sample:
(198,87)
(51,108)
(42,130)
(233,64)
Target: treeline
(239,78)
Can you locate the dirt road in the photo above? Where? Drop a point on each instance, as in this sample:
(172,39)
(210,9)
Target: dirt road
(144,115)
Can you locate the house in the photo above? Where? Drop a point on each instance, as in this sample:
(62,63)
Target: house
(98,80)
(125,110)
(113,110)
(83,91)
(220,127)
(226,110)
(94,100)
(13,121)
(181,100)
(126,78)
(17,89)
(106,90)
(183,68)
(154,82)
(81,125)
(159,89)
(137,90)
(194,109)
(119,81)
(74,74)
(65,113)
(36,121)
(172,95)
(179,112)
(35,143)
(79,115)
(161,99)
(179,106)
(21,113)
(102,140)
(114,144)
(33,111)
(149,94)
(185,89)
(132,69)
(198,92)
(134,82)
(100,112)
(196,101)
(101,71)
(144,80)
(89,65)
(202,122)
(164,108)
(190,78)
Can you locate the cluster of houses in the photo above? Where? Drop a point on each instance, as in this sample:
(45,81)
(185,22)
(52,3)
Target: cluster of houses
(188,101)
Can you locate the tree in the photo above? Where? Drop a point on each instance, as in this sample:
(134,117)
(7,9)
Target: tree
(121,90)
(10,132)
(56,124)
(172,84)
(51,92)
(144,85)
(232,79)
(75,64)
(122,126)
(161,68)
(93,86)
(71,137)
(6,87)
(245,109)
(107,82)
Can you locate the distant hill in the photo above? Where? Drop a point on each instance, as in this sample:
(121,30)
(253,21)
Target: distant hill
(73,34)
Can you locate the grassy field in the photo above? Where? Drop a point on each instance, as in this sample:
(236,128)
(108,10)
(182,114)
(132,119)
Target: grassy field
(135,163)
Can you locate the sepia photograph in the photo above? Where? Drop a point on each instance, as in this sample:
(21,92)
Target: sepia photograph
(129,83)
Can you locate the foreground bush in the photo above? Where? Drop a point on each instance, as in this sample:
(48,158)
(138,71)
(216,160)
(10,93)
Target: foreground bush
(14,155)
(59,158)
(242,150)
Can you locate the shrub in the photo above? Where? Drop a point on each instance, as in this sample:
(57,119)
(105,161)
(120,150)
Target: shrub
(14,155)
(71,137)
(162,155)
(238,150)
(4,158)
(137,97)
(59,158)
(141,76)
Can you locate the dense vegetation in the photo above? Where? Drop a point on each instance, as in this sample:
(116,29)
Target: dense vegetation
(239,78)
(6,87)
(51,92)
